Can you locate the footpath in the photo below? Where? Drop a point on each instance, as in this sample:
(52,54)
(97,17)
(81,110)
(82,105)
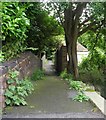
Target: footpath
(52,99)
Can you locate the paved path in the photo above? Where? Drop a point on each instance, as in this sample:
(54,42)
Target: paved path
(53,99)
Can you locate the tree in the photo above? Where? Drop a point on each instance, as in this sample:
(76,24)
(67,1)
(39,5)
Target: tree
(94,40)
(78,18)
(43,28)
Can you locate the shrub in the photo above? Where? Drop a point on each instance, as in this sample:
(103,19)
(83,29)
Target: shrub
(76,85)
(94,76)
(66,76)
(81,97)
(37,75)
(17,89)
(15,24)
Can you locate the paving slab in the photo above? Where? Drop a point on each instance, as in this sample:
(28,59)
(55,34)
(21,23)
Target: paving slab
(53,99)
(98,100)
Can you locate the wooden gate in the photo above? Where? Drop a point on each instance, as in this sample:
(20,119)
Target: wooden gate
(61,59)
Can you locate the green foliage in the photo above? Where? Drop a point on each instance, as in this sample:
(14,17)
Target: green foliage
(76,85)
(43,28)
(97,10)
(96,46)
(52,45)
(92,75)
(81,97)
(17,89)
(37,75)
(14,28)
(92,68)
(1,56)
(66,76)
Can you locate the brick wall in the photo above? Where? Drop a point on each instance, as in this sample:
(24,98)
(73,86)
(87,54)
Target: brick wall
(26,63)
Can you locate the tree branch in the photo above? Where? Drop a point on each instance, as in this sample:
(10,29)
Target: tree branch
(78,13)
(79,9)
(68,20)
(90,27)
(58,12)
(85,21)
(86,29)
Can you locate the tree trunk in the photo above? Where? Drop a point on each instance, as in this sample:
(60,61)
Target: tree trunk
(69,53)
(72,63)
(74,59)
(72,19)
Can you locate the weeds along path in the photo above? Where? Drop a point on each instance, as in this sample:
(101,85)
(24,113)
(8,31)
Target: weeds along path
(52,99)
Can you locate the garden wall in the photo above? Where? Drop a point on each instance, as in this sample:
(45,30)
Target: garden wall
(26,63)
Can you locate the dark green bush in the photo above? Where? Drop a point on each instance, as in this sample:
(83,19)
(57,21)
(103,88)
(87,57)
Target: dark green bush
(94,75)
(15,24)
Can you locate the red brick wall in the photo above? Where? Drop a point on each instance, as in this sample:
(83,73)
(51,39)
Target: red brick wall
(25,64)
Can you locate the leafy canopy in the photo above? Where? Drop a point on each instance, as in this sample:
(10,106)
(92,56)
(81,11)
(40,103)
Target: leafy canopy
(14,27)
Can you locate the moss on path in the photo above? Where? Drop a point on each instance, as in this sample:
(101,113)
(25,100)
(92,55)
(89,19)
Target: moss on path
(52,99)
(51,96)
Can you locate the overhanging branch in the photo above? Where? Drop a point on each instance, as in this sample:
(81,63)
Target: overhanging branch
(58,12)
(85,21)
(91,26)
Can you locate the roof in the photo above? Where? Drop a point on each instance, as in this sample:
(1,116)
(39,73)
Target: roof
(81,48)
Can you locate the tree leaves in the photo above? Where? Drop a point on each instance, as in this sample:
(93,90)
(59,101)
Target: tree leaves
(17,89)
(43,27)
(14,27)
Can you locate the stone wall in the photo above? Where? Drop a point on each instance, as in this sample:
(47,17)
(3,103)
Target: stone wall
(26,63)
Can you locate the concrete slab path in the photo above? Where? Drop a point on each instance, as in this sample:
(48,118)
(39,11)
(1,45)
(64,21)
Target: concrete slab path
(53,99)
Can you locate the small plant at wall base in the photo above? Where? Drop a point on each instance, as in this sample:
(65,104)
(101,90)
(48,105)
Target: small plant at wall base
(37,75)
(17,90)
